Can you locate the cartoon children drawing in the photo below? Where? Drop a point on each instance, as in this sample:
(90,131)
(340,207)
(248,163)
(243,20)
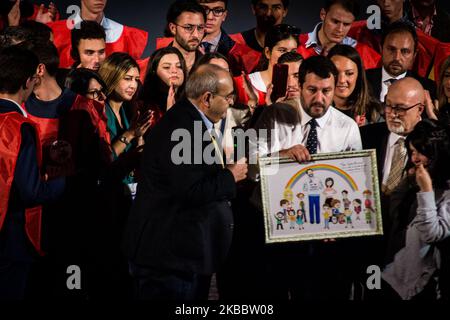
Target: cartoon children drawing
(301,205)
(300,220)
(348,218)
(292,218)
(368,206)
(335,210)
(313,186)
(329,192)
(345,200)
(357,207)
(326,215)
(279,217)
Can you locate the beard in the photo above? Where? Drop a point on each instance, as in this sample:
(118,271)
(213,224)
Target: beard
(308,108)
(265,23)
(399,129)
(190,47)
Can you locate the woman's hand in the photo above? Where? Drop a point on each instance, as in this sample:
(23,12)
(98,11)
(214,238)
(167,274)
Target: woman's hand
(46,16)
(14,15)
(269,96)
(423,179)
(171,96)
(141,123)
(252,97)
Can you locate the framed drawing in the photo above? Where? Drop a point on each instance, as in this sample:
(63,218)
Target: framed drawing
(336,195)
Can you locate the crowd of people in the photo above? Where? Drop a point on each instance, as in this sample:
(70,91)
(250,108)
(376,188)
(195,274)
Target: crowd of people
(126,167)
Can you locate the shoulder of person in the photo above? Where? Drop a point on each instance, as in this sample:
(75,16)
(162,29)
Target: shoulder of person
(340,119)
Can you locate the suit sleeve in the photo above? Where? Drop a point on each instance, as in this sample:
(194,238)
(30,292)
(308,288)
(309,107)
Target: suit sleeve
(32,189)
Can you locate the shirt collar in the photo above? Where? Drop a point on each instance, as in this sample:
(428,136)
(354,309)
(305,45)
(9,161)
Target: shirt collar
(393,138)
(105,23)
(386,76)
(216,40)
(313,39)
(209,125)
(22,110)
(320,121)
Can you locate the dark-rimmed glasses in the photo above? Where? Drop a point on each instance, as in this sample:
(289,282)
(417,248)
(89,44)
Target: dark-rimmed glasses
(190,28)
(217,12)
(400,109)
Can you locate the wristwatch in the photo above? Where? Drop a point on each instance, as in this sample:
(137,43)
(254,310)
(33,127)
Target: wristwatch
(124,139)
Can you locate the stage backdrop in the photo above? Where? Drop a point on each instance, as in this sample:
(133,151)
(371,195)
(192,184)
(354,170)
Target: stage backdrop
(150,15)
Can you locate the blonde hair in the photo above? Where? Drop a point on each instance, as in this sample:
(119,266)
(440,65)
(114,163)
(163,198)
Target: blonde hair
(443,99)
(114,69)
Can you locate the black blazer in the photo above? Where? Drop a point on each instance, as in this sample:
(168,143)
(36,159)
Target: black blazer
(375,136)
(181,219)
(374,82)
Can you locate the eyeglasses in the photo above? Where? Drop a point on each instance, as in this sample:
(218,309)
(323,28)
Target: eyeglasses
(399,110)
(217,12)
(229,98)
(190,28)
(96,94)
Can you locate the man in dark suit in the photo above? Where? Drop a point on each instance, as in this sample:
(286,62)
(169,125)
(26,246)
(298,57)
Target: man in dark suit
(399,44)
(180,229)
(405,102)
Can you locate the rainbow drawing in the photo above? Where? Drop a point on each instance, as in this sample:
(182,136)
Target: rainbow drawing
(323,167)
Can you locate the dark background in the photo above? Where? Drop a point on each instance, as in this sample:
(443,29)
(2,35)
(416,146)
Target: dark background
(150,15)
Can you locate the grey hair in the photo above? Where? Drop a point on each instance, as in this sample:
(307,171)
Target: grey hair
(204,79)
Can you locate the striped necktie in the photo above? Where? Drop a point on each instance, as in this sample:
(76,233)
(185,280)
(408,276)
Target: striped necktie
(397,166)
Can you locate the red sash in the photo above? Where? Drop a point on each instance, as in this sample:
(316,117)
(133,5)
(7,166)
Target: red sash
(132,41)
(238,38)
(442,52)
(97,116)
(243,58)
(371,59)
(10,141)
(242,96)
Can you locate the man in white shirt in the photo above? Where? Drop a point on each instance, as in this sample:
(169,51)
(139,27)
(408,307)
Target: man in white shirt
(323,128)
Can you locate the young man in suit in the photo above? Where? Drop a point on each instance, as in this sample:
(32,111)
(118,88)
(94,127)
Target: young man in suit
(399,51)
(179,231)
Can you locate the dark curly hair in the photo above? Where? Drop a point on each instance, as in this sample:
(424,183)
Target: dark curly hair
(432,139)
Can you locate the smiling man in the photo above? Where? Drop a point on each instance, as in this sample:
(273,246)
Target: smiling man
(337,17)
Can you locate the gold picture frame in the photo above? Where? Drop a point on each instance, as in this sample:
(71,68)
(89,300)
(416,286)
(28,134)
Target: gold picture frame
(327,212)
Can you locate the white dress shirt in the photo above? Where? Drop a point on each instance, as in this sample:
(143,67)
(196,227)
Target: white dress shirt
(112,28)
(257,81)
(336,132)
(384,82)
(393,138)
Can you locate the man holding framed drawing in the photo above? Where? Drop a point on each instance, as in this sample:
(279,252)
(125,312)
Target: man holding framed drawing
(353,172)
(313,128)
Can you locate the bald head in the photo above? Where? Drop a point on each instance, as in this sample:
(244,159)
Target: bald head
(409,87)
(206,78)
(404,105)
(210,88)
